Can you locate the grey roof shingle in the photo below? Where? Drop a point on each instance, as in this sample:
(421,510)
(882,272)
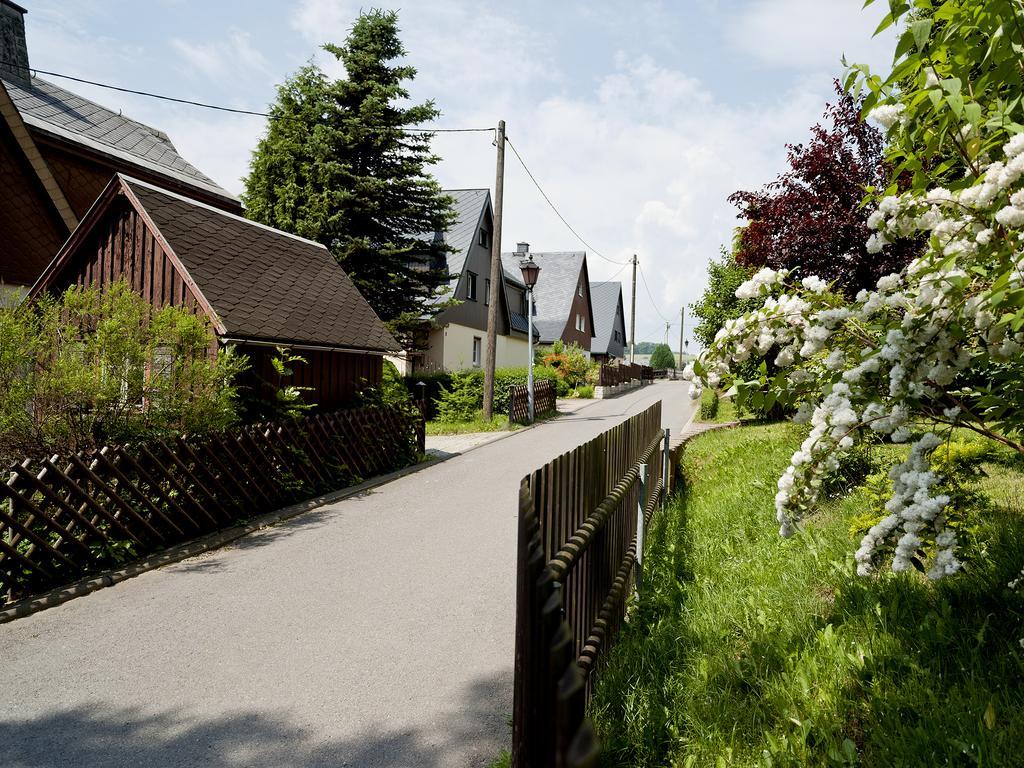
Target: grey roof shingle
(262,283)
(65,115)
(556,286)
(605,299)
(469,208)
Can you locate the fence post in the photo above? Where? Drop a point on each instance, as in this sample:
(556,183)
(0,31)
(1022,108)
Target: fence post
(666,462)
(640,528)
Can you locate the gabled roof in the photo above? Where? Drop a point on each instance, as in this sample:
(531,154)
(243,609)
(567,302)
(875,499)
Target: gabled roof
(258,283)
(606,301)
(560,274)
(67,117)
(470,206)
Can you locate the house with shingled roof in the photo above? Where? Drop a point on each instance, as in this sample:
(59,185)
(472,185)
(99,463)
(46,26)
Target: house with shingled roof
(457,337)
(562,309)
(609,341)
(58,151)
(261,288)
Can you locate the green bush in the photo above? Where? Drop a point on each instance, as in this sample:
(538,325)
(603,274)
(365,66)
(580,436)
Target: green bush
(662,357)
(438,384)
(461,400)
(92,367)
(586,392)
(709,405)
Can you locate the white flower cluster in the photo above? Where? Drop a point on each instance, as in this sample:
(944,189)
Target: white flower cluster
(761,283)
(913,510)
(887,115)
(893,354)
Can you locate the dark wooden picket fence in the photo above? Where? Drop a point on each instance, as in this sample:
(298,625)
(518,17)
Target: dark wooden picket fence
(577,555)
(621,373)
(544,395)
(64,517)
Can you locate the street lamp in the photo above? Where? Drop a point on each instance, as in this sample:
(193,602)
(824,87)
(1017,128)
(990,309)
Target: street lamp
(530,271)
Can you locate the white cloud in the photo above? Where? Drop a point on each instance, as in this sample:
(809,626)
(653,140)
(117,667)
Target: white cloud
(642,164)
(225,60)
(811,33)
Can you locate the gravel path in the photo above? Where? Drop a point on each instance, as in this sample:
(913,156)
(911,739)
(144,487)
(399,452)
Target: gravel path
(375,631)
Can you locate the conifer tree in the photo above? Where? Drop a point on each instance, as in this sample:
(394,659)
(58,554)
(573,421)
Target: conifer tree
(338,165)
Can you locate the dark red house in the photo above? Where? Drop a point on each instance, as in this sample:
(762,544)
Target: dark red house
(57,153)
(260,287)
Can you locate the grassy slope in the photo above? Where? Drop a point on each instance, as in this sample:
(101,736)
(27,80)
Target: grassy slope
(753,650)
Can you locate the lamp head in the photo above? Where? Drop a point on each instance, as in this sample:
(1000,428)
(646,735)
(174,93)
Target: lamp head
(530,270)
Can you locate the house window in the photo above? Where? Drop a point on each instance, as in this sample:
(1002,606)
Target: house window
(581,324)
(476,351)
(487,292)
(483,238)
(471,286)
(522,304)
(580,289)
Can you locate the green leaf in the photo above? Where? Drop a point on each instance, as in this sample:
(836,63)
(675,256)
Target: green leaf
(972,112)
(956,103)
(921,30)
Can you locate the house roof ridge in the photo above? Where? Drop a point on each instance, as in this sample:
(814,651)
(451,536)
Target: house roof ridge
(200,204)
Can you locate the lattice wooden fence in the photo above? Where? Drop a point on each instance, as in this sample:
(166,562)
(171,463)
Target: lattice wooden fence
(64,517)
(578,548)
(544,401)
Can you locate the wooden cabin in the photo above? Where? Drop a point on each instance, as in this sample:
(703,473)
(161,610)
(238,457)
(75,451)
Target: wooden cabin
(260,287)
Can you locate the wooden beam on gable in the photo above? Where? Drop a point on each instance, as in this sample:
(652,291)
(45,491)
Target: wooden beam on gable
(12,118)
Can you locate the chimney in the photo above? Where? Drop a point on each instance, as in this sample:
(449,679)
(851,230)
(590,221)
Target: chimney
(520,247)
(13,50)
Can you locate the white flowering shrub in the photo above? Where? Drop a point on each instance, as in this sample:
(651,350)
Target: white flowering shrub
(934,347)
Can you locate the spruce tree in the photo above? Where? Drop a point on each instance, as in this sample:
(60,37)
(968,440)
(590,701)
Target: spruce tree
(338,166)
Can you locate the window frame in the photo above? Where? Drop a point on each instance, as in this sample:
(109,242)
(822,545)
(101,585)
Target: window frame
(471,293)
(483,239)
(487,291)
(478,351)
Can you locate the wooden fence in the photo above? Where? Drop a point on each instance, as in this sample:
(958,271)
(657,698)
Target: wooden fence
(621,373)
(519,401)
(64,517)
(577,552)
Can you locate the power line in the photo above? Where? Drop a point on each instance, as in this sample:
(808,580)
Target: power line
(540,189)
(218,107)
(649,296)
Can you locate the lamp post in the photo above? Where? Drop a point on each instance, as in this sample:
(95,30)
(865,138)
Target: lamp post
(530,271)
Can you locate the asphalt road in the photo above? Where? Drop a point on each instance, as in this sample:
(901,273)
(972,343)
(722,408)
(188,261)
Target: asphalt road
(375,631)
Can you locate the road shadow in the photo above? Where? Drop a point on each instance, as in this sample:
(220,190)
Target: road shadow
(104,736)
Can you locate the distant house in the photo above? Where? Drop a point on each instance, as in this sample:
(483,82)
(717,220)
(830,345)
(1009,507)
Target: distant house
(58,151)
(457,338)
(260,287)
(561,299)
(609,321)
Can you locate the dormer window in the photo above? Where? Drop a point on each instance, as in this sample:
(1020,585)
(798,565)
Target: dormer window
(483,238)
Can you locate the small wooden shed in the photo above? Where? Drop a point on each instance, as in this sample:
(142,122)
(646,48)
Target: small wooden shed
(260,287)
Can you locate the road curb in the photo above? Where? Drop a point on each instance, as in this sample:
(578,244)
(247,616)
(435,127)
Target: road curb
(179,552)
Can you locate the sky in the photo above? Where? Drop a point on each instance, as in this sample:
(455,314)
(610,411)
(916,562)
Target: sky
(637,118)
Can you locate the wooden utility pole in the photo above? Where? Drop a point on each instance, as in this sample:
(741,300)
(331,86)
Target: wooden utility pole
(495,291)
(682,332)
(632,316)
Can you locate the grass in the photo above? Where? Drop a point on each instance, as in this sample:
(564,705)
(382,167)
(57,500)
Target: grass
(752,650)
(504,760)
(498,423)
(480,424)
